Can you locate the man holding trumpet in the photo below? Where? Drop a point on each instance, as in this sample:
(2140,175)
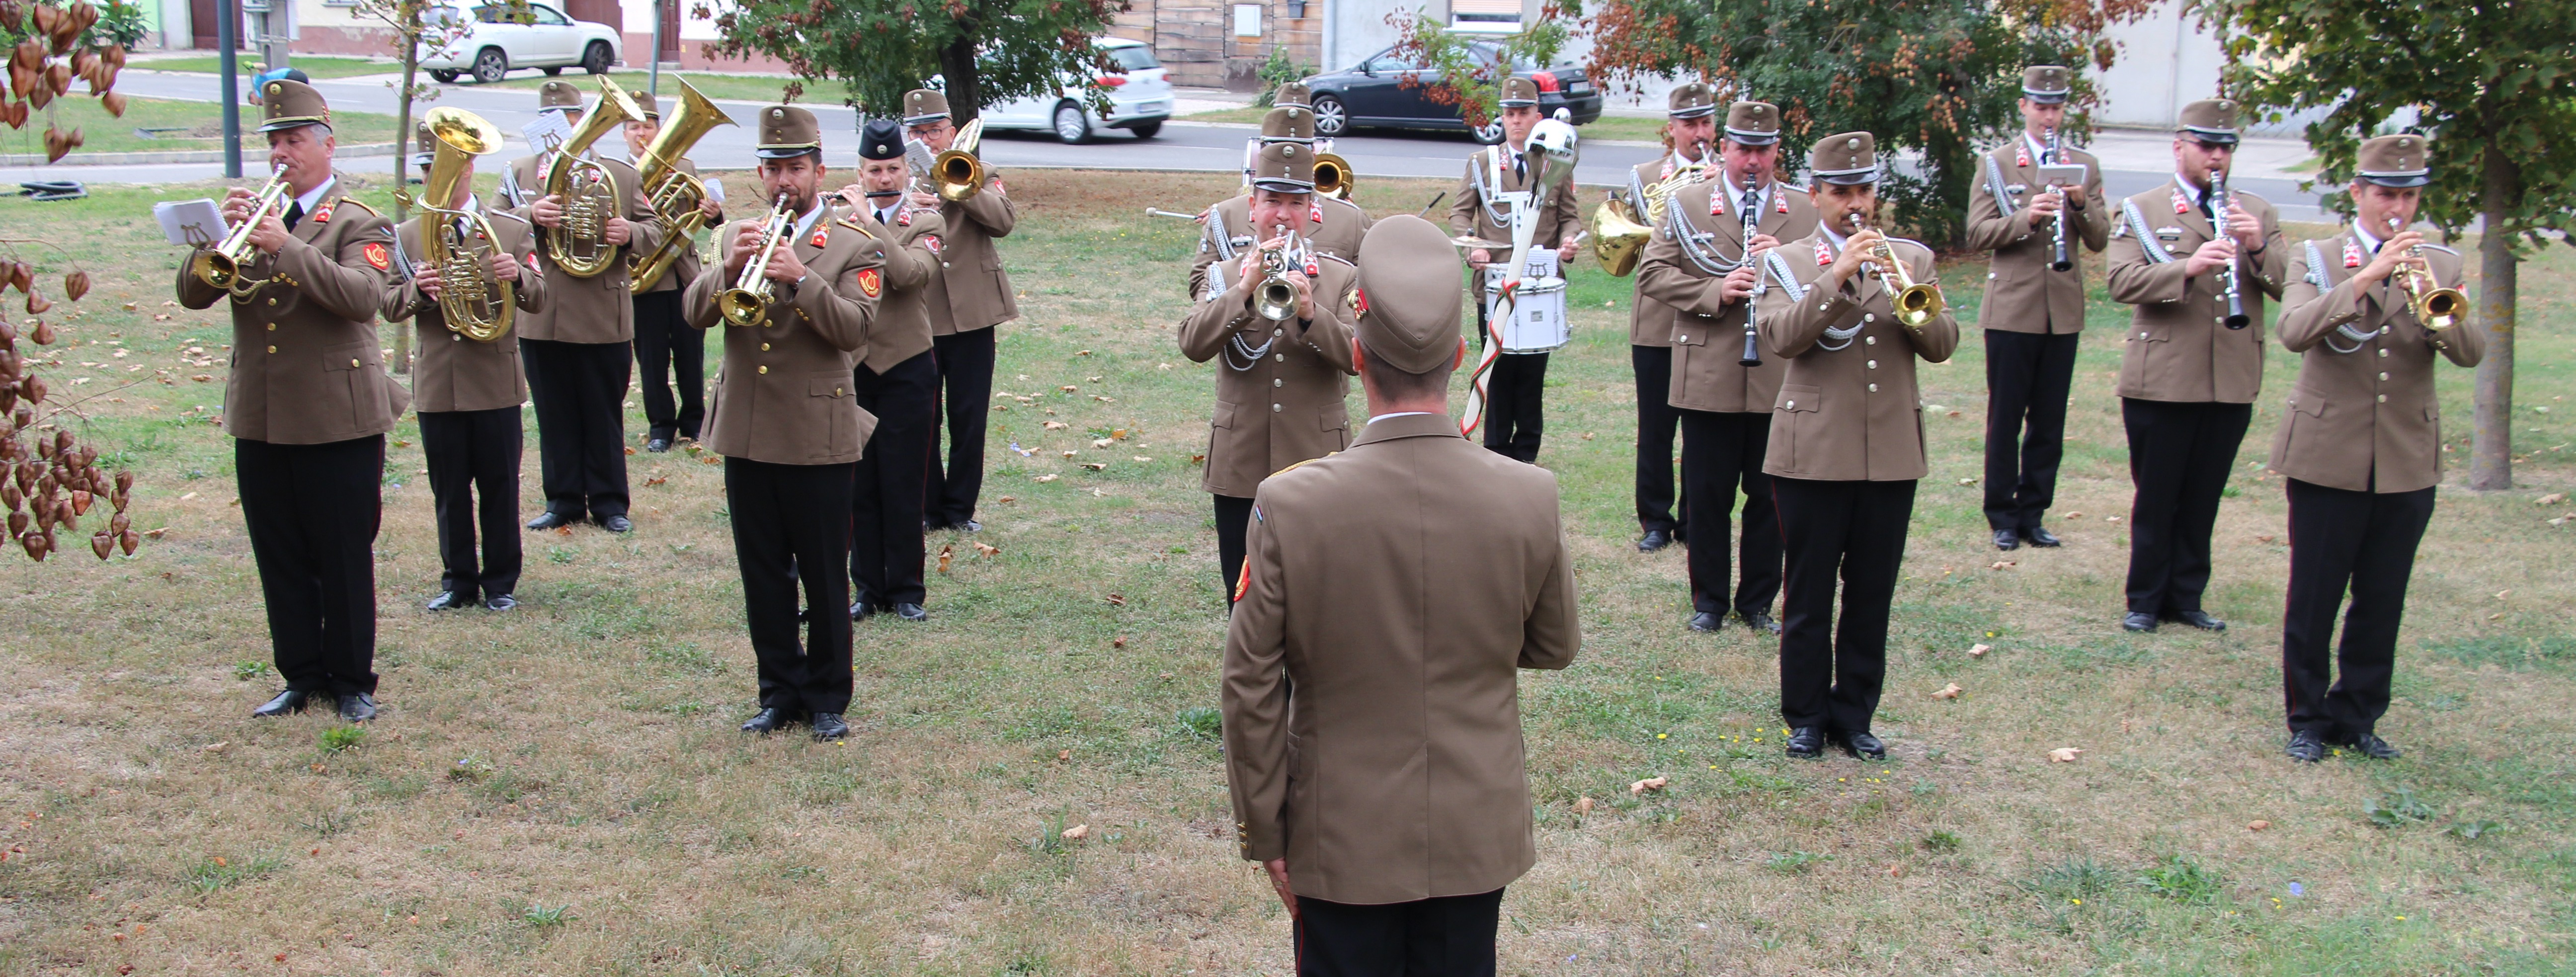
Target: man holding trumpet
(2367,310)
(968,300)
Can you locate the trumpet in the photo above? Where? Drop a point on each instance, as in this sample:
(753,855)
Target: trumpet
(2059,258)
(674,195)
(2436,308)
(221,266)
(1916,302)
(591,199)
(747,302)
(475,304)
(1333,175)
(2236,317)
(1275,298)
(958,172)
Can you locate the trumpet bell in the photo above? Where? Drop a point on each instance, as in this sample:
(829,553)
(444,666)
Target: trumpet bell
(1918,304)
(742,306)
(2440,309)
(1619,240)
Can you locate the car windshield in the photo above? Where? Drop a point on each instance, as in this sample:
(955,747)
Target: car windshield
(1135,58)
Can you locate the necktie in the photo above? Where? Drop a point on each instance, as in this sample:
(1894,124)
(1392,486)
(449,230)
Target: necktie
(294,214)
(1520,168)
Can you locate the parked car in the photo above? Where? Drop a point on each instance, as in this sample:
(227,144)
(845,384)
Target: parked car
(1374,93)
(1139,99)
(494,44)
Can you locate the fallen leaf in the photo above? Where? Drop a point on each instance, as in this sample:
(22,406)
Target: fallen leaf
(2265,539)
(1119,433)
(630,451)
(945,552)
(1081,352)
(1118,642)
(1077,832)
(1008,498)
(1095,465)
(2002,565)
(1116,600)
(1954,413)
(1650,783)
(1895,870)
(1979,650)
(217,747)
(1105,400)
(1142,457)
(1950,691)
(2073,515)
(1057,425)
(2110,519)
(983,549)
(655,481)
(1068,454)
(1583,805)
(1102,442)
(2257,825)
(1046,478)
(1967,481)
(711,460)
(1197,459)
(2552,498)
(1587,435)
(1069,388)
(1064,754)
(2500,594)
(2064,754)
(563,530)
(1091,379)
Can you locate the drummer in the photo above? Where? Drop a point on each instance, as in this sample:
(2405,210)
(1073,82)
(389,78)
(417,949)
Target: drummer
(1496,192)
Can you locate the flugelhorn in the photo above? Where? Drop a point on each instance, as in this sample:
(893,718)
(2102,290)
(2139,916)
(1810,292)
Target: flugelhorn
(1916,303)
(590,195)
(674,196)
(747,302)
(1275,298)
(221,266)
(2236,317)
(476,304)
(2436,308)
(958,172)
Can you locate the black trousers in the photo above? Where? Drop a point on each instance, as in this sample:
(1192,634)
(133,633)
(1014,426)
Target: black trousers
(1831,671)
(1657,419)
(2027,379)
(1720,454)
(2179,456)
(1450,936)
(666,346)
(1514,418)
(791,526)
(312,511)
(471,453)
(2340,539)
(1233,516)
(580,393)
(886,502)
(965,362)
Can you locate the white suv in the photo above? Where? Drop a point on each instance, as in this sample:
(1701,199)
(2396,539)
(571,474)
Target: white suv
(493,44)
(1139,99)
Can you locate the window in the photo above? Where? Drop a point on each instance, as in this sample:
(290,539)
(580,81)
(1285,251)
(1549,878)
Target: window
(1136,58)
(1496,16)
(1392,61)
(549,17)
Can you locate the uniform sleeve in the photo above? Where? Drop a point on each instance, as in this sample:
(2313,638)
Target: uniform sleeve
(991,210)
(2308,313)
(2093,223)
(193,292)
(530,289)
(340,279)
(2266,271)
(1254,699)
(839,309)
(2136,280)
(404,299)
(1207,254)
(1553,633)
(1939,337)
(698,301)
(1989,227)
(1661,274)
(1567,203)
(1464,201)
(645,228)
(1212,321)
(911,264)
(1335,322)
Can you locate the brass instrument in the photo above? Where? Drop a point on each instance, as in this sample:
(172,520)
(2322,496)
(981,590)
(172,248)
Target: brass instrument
(1333,175)
(2236,317)
(1159,212)
(2059,257)
(959,174)
(221,266)
(747,302)
(589,191)
(1624,229)
(1916,303)
(475,303)
(1275,298)
(2436,308)
(674,196)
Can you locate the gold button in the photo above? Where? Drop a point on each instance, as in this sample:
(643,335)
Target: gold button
(353,364)
(272,327)
(836,391)
(272,349)
(2383,398)
(272,301)
(2383,375)
(764,347)
(764,369)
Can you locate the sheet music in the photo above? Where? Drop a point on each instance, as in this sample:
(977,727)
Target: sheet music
(192,223)
(548,133)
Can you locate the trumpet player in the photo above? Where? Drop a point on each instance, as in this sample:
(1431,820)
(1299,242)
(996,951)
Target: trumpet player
(2033,314)
(2187,259)
(1284,359)
(1690,129)
(672,355)
(1700,267)
(968,299)
(467,393)
(896,381)
(2367,310)
(786,418)
(1227,225)
(1498,186)
(308,402)
(1846,307)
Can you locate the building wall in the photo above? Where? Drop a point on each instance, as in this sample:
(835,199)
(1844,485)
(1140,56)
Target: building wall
(1197,43)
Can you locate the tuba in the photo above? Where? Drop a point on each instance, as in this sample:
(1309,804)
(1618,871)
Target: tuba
(589,191)
(673,195)
(959,174)
(475,304)
(1916,303)
(221,266)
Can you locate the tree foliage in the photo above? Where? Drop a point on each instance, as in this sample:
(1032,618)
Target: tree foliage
(988,51)
(1467,69)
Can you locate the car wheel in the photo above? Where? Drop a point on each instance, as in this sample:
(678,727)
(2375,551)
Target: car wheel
(448,77)
(1072,125)
(594,59)
(1330,116)
(1146,130)
(1490,133)
(490,64)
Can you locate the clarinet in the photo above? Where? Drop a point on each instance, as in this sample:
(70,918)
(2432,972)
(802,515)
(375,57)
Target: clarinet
(2236,317)
(2059,259)
(1752,223)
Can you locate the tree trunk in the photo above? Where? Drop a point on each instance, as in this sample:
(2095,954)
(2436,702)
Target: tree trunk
(2491,456)
(965,90)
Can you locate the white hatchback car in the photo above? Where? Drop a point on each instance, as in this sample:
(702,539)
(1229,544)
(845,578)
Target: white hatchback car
(493,45)
(1139,99)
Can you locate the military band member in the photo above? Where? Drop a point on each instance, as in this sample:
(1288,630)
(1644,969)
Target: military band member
(1846,446)
(2187,381)
(1398,586)
(1695,268)
(1337,223)
(2361,445)
(787,421)
(1280,384)
(308,404)
(897,382)
(467,393)
(1498,180)
(578,359)
(1690,137)
(523,181)
(673,356)
(2033,314)
(968,298)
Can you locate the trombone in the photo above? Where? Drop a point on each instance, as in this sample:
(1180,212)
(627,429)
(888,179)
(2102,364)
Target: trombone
(1916,303)
(959,174)
(221,266)
(589,191)
(747,302)
(475,304)
(1334,177)
(2436,308)
(674,195)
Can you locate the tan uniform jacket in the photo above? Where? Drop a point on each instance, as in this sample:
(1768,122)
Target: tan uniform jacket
(1853,413)
(2363,417)
(1339,234)
(450,372)
(306,367)
(784,394)
(2022,295)
(1398,586)
(1280,386)
(972,286)
(1557,220)
(1706,334)
(2178,348)
(684,269)
(588,310)
(910,251)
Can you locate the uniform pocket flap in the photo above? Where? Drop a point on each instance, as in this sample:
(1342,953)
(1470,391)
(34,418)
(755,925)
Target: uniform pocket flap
(1224,415)
(828,385)
(349,356)
(1693,331)
(1335,420)
(1795,397)
(2309,402)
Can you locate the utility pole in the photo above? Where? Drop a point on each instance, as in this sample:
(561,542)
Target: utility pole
(227,25)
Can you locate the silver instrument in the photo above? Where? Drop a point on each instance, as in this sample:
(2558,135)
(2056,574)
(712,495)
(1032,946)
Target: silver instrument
(2236,317)
(2060,258)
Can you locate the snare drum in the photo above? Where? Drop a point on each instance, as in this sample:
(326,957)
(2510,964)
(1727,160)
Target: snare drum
(1537,323)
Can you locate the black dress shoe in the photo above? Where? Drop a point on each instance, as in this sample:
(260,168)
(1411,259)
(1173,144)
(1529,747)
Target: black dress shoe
(2040,536)
(658,445)
(2134,621)
(1705,621)
(2198,619)
(1655,539)
(550,519)
(450,600)
(969,526)
(289,701)
(862,609)
(1806,743)
(828,726)
(1758,621)
(2305,747)
(357,707)
(500,602)
(1863,745)
(2370,745)
(768,720)
(617,524)
(911,612)
(2006,539)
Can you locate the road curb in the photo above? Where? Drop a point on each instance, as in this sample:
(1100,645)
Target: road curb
(174,156)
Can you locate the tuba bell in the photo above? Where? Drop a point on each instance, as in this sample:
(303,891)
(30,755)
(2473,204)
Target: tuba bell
(674,195)
(1333,176)
(1622,240)
(590,193)
(476,305)
(959,174)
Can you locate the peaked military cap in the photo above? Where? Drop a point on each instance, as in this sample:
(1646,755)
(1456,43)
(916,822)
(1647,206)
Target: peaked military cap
(287,104)
(2046,84)
(2396,161)
(2210,120)
(1285,167)
(922,106)
(1408,295)
(787,132)
(1690,101)
(558,96)
(1845,159)
(1753,123)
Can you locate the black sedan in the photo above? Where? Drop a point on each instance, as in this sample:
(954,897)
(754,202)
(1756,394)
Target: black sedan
(1376,93)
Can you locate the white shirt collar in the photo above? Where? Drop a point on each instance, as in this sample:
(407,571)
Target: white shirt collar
(2369,241)
(1401,413)
(805,224)
(2190,192)
(313,198)
(2038,149)
(1739,195)
(1834,237)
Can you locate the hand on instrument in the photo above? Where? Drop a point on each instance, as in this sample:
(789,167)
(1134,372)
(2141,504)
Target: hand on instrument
(783,266)
(2045,208)
(236,205)
(854,195)
(269,235)
(617,231)
(2074,196)
(2394,253)
(1739,284)
(710,208)
(1761,242)
(2242,226)
(2216,254)
(1305,294)
(1856,249)
(547,212)
(505,267)
(1479,257)
(746,239)
(425,277)
(1278,869)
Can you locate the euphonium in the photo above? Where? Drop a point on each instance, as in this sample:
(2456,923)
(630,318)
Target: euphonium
(221,266)
(1333,176)
(959,174)
(1916,302)
(2436,308)
(747,302)
(675,195)
(590,193)
(475,303)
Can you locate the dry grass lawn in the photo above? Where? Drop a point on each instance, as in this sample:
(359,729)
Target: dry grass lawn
(561,790)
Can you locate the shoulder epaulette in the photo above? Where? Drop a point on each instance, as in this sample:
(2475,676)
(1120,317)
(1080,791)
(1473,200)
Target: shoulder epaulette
(348,201)
(855,226)
(1785,186)
(1302,464)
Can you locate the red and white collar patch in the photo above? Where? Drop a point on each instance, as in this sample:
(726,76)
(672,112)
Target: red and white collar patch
(1315,212)
(2021,153)
(2181,206)
(322,214)
(903,218)
(930,241)
(1359,300)
(2351,253)
(822,236)
(1824,252)
(1780,202)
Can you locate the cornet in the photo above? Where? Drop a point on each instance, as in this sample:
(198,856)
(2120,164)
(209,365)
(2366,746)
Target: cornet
(1916,302)
(1275,298)
(221,266)
(747,302)
(2436,308)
